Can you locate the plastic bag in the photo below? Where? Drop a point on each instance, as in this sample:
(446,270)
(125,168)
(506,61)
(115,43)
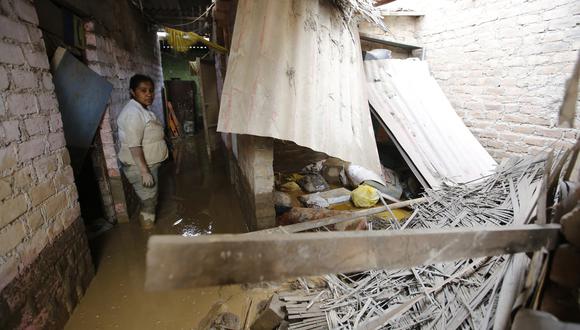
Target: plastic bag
(364,196)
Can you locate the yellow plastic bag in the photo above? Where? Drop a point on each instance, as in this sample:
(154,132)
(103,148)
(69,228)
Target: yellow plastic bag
(294,177)
(290,186)
(364,196)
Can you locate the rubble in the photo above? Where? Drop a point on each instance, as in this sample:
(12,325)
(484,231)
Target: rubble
(333,196)
(313,182)
(462,294)
(270,316)
(314,201)
(282,200)
(290,186)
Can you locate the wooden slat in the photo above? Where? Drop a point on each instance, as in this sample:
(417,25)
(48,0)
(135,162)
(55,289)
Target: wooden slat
(347,216)
(385,41)
(179,262)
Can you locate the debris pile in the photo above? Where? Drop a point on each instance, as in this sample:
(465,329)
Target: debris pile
(363,8)
(462,294)
(334,185)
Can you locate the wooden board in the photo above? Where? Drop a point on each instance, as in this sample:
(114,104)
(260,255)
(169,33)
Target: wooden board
(209,102)
(180,262)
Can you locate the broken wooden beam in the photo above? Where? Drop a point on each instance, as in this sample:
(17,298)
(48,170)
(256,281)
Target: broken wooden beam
(179,262)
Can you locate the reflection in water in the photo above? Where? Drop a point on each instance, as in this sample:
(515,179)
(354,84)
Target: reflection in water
(193,229)
(195,198)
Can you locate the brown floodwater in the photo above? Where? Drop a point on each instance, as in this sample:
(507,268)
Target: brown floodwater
(196,198)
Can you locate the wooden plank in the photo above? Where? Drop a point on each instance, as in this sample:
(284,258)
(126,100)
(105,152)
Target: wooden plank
(180,262)
(204,108)
(304,226)
(385,41)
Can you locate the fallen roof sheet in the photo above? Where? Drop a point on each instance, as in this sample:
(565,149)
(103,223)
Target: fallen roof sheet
(295,73)
(423,123)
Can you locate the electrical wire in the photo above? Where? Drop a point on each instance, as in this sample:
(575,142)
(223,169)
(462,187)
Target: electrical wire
(156,22)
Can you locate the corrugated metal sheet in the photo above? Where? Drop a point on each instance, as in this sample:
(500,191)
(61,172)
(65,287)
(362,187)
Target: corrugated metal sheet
(423,122)
(295,73)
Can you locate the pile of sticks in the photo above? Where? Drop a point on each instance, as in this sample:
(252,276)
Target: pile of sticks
(350,9)
(457,295)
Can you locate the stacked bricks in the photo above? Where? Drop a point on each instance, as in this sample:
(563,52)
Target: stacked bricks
(106,57)
(253,176)
(503,65)
(38,197)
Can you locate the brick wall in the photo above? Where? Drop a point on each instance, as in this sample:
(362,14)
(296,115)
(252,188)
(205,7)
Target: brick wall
(503,65)
(117,61)
(38,197)
(251,170)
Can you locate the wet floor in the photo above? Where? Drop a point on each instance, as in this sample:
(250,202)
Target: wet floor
(196,198)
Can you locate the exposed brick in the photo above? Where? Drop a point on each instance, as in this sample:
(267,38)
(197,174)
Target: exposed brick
(24,79)
(4,83)
(34,246)
(55,122)
(56,140)
(11,130)
(70,215)
(538,141)
(37,125)
(35,57)
(31,149)
(64,158)
(10,237)
(47,102)
(13,30)
(24,177)
(64,179)
(11,209)
(34,220)
(9,268)
(25,10)
(72,195)
(55,205)
(54,277)
(22,104)
(524,129)
(5,188)
(7,158)
(11,54)
(45,167)
(2,107)
(41,192)
(47,81)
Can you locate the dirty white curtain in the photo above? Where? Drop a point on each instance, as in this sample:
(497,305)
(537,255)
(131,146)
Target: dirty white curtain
(295,73)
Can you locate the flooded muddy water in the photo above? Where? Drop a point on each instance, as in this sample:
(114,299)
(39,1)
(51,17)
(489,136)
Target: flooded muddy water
(196,198)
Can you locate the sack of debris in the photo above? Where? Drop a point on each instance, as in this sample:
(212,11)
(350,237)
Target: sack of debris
(364,196)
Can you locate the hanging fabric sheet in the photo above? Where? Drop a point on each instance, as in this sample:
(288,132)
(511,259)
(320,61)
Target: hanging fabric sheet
(295,73)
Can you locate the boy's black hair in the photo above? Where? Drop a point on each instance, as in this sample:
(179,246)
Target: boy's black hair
(139,78)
